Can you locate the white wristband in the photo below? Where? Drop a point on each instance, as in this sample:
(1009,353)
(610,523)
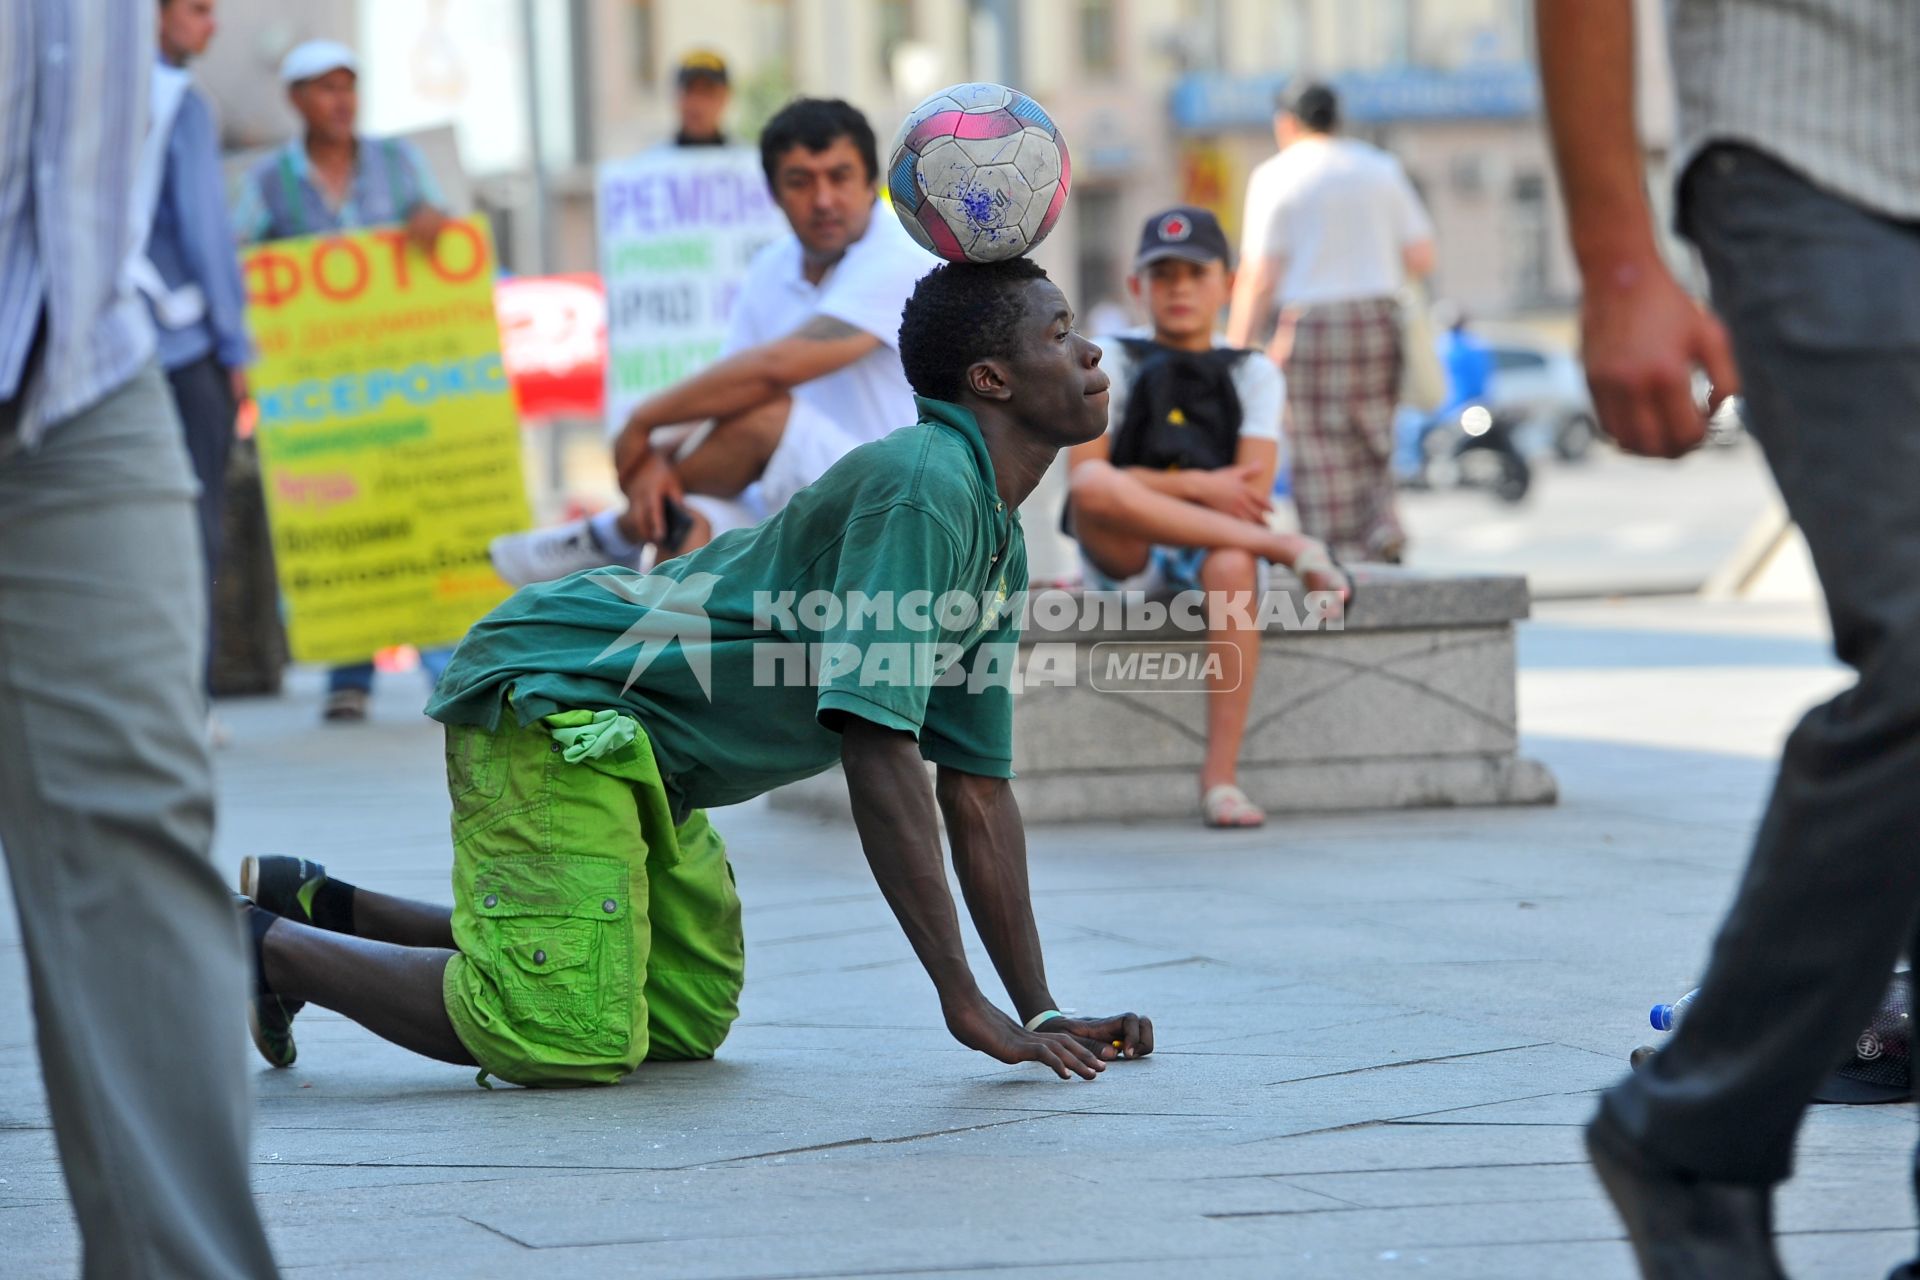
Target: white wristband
(1033,1023)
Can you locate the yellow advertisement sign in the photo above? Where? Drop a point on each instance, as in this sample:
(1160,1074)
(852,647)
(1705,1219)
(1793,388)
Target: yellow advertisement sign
(389,441)
(1206,177)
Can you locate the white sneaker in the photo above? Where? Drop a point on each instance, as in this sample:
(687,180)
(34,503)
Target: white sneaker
(541,555)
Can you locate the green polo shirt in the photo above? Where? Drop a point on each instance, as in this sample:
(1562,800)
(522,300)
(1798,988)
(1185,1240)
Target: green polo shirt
(890,589)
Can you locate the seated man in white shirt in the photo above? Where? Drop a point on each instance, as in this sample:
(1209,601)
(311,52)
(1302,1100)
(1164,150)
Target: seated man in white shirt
(812,370)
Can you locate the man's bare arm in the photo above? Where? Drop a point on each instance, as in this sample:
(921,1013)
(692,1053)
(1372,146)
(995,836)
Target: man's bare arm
(1252,299)
(748,379)
(1642,335)
(990,857)
(893,810)
(1586,72)
(1418,258)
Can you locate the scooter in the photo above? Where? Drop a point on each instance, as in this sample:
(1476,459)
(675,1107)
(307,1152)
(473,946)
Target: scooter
(1472,447)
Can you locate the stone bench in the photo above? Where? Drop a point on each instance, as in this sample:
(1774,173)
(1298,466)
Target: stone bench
(1411,705)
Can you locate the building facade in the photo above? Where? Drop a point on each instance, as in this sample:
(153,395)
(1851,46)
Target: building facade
(1160,101)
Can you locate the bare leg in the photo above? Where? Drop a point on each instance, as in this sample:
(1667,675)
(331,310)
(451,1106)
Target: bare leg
(1113,514)
(736,451)
(1114,549)
(401,921)
(392,991)
(1231,692)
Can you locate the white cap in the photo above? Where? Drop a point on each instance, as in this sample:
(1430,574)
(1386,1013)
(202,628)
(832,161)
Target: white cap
(316,58)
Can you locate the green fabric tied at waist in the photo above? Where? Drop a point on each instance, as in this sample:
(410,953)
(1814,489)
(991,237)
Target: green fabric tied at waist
(590,735)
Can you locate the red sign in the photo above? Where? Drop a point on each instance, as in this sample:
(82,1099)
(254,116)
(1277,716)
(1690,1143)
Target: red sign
(553,340)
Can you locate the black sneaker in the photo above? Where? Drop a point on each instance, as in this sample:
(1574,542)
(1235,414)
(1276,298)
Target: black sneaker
(282,885)
(269,1017)
(345,706)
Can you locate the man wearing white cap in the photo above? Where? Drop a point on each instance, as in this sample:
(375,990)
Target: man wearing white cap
(332,179)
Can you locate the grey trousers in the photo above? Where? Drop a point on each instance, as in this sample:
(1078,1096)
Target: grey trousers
(133,946)
(1823,303)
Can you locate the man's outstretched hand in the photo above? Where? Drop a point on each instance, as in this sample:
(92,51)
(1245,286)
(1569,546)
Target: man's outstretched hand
(1060,1045)
(1122,1035)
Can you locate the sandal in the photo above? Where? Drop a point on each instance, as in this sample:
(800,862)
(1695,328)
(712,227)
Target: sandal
(1226,806)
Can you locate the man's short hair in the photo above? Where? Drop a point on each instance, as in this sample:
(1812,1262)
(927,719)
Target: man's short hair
(961,313)
(1313,103)
(814,123)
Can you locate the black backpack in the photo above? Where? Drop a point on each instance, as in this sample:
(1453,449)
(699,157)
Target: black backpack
(1183,412)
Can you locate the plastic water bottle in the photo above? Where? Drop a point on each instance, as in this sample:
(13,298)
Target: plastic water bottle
(1665,1017)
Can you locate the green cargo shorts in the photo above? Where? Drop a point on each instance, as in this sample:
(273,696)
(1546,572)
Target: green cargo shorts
(593,933)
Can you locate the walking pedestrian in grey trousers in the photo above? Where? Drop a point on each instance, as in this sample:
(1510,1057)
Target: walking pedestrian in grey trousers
(106,801)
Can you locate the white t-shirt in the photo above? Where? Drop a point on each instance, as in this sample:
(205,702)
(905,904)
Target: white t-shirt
(867,288)
(1259,384)
(1338,212)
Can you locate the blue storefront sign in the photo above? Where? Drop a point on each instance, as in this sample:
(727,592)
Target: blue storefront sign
(1210,101)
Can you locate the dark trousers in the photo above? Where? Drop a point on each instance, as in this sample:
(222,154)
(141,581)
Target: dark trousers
(1823,303)
(203,396)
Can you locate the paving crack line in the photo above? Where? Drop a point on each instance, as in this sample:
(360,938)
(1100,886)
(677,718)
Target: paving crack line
(1418,1062)
(878,1142)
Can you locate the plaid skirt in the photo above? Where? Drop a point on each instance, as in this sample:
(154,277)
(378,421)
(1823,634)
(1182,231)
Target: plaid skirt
(1343,384)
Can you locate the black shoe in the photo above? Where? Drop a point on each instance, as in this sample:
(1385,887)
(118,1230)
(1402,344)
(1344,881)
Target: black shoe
(276,883)
(269,1017)
(346,706)
(1910,1271)
(1681,1227)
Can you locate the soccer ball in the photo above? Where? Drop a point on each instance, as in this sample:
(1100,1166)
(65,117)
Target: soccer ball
(978,173)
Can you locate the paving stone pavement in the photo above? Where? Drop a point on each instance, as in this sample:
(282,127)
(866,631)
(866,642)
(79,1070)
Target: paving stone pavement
(1378,1033)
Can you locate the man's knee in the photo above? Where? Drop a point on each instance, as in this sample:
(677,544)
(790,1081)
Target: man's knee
(758,428)
(690,1014)
(736,451)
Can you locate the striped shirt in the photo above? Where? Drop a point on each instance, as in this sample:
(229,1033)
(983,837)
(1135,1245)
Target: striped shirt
(1830,88)
(280,198)
(73,108)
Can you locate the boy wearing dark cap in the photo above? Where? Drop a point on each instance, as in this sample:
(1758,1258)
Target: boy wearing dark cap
(1175,496)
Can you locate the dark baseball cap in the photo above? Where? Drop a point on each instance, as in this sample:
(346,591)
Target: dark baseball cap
(1186,232)
(701,64)
(1880,1066)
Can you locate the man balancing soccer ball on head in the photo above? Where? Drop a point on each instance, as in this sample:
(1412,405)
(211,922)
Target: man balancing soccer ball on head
(592,720)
